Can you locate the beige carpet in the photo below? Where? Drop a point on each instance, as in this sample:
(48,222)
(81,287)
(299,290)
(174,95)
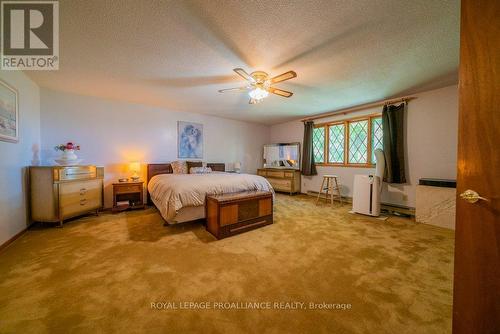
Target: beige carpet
(101,274)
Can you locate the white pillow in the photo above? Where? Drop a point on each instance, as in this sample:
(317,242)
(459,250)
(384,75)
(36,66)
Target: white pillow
(200,170)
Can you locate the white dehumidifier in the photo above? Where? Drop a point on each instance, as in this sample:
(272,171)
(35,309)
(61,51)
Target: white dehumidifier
(367,189)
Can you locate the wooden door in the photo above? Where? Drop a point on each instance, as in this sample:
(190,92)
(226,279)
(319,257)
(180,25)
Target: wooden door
(476,305)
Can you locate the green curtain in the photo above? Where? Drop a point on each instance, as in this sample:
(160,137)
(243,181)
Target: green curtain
(308,166)
(394,146)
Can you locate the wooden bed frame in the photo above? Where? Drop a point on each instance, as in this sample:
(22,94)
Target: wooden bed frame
(157,169)
(217,167)
(166,168)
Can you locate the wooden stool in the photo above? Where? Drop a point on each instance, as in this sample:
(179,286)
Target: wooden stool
(332,187)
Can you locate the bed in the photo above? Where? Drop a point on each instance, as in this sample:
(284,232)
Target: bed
(181,197)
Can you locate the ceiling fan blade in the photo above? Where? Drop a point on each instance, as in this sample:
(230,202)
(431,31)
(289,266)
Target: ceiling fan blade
(280,92)
(236,89)
(283,77)
(242,73)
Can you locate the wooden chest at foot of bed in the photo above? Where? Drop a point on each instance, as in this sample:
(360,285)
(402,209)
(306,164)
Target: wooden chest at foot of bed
(234,213)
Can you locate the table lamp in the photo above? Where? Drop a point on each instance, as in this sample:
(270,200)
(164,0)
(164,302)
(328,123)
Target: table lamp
(237,166)
(135,167)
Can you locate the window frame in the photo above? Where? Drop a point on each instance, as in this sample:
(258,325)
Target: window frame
(325,158)
(346,122)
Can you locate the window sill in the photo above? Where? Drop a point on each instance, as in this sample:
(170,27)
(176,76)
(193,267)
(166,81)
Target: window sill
(346,165)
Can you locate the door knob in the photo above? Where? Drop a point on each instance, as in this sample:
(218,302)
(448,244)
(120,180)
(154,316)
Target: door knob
(471,196)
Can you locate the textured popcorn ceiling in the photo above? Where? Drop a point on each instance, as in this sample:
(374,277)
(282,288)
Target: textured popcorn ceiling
(177,54)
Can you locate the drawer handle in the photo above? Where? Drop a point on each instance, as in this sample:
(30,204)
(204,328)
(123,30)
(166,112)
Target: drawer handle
(68,172)
(83,201)
(83,191)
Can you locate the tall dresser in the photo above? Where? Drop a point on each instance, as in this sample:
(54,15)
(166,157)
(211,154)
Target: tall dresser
(286,180)
(58,193)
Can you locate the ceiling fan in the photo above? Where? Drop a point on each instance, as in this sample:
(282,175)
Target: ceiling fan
(260,85)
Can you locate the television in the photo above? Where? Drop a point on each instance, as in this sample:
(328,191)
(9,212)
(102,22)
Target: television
(282,155)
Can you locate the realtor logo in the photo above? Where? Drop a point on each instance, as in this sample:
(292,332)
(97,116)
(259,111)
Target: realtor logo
(30,35)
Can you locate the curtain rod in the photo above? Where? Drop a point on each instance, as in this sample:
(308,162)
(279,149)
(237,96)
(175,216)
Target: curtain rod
(349,110)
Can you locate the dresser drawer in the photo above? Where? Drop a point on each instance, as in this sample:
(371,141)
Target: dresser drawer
(281,184)
(128,188)
(75,173)
(285,180)
(261,172)
(277,173)
(79,197)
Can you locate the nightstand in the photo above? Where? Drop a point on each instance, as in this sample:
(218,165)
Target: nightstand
(131,192)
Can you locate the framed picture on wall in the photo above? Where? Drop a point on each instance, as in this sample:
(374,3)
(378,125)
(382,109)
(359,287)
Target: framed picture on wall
(9,114)
(190,140)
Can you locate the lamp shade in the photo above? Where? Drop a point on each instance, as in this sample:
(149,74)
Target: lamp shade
(135,166)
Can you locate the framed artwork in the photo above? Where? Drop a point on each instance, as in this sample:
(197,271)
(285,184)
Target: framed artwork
(190,140)
(9,114)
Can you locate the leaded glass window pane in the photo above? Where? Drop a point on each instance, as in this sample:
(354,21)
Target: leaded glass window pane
(319,145)
(336,143)
(358,142)
(377,136)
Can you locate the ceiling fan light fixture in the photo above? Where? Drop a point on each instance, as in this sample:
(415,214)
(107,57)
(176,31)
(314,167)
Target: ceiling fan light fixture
(258,94)
(259,85)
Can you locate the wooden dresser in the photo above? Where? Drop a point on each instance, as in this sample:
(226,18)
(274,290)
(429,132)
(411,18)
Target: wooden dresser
(286,180)
(234,213)
(58,193)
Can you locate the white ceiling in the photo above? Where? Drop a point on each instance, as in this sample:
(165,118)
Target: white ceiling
(177,54)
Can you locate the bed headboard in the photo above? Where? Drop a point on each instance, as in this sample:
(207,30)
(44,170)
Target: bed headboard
(157,169)
(217,167)
(166,168)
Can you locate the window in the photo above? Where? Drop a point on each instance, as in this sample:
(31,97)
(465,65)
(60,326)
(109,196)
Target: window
(336,142)
(377,136)
(358,142)
(348,143)
(319,144)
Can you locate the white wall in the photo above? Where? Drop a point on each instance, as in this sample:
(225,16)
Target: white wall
(113,133)
(432,126)
(14,157)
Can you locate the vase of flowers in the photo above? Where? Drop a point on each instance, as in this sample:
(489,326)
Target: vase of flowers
(68,156)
